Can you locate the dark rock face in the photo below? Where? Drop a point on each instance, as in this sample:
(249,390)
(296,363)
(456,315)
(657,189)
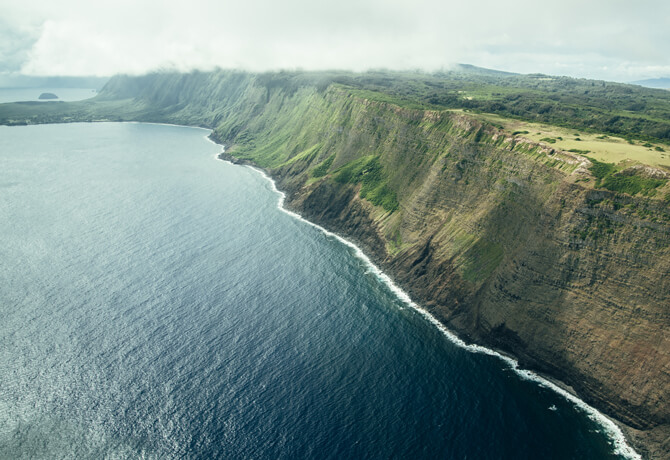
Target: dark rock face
(338,207)
(504,240)
(513,253)
(591,312)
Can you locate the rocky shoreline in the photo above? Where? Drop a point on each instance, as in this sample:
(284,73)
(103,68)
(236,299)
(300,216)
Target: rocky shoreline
(510,242)
(346,215)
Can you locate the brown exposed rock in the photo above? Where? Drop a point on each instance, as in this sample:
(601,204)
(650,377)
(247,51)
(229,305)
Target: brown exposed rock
(497,238)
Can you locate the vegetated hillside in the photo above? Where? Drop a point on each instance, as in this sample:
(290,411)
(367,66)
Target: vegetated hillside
(588,105)
(509,242)
(557,259)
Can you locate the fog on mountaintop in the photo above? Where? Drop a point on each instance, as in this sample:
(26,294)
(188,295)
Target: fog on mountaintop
(611,39)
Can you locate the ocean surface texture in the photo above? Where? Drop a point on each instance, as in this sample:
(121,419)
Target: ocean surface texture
(156,303)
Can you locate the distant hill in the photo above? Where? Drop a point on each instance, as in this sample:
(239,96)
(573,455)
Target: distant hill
(474,70)
(662,83)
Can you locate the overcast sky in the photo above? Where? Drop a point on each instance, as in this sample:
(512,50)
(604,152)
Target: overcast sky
(609,39)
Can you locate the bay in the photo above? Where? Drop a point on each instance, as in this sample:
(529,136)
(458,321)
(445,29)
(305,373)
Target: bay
(156,303)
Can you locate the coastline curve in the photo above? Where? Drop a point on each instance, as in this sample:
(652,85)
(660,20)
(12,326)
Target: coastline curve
(612,430)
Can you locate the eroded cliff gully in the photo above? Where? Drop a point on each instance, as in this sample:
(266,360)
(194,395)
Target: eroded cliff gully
(506,242)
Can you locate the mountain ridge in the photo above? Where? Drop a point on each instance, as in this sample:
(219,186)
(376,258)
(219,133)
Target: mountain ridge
(513,243)
(661,83)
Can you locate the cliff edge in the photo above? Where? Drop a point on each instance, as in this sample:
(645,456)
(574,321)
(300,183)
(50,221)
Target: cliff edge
(552,256)
(506,241)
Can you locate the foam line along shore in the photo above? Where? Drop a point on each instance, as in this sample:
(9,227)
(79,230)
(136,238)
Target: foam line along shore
(614,432)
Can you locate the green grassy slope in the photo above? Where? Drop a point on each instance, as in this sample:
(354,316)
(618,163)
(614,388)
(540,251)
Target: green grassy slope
(546,254)
(588,105)
(556,257)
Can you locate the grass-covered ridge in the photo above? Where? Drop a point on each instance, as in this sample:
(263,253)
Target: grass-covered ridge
(588,105)
(323,168)
(325,120)
(632,184)
(368,172)
(627,181)
(452,183)
(585,105)
(601,170)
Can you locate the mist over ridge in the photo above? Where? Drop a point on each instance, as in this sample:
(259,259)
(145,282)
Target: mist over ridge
(611,40)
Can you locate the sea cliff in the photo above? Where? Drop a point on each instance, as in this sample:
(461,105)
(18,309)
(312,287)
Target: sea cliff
(505,241)
(509,242)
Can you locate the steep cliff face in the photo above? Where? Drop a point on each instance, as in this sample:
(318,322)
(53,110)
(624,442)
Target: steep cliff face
(505,241)
(508,242)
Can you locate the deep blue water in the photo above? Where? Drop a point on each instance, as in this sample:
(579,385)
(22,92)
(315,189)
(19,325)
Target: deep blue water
(156,303)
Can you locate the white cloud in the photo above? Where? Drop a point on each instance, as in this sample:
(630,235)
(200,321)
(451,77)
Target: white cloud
(576,38)
(16,40)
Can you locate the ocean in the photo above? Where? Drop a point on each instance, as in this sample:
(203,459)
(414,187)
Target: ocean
(159,303)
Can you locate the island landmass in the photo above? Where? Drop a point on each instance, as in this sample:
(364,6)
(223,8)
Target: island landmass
(527,213)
